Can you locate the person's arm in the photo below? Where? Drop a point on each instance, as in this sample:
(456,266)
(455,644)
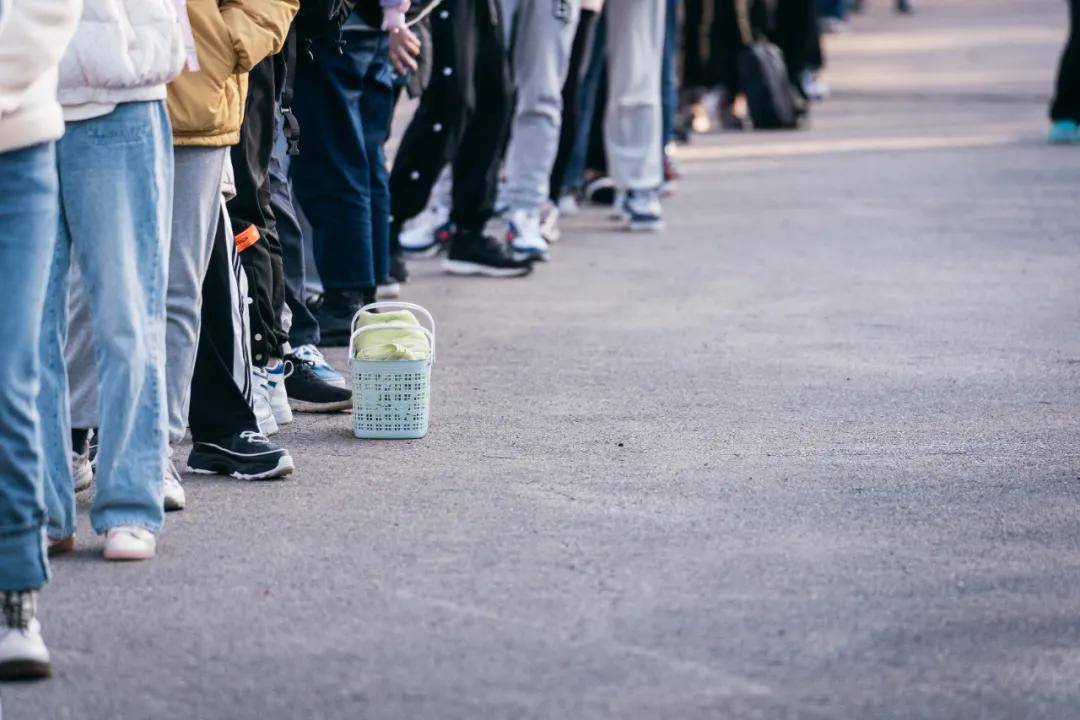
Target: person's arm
(257,28)
(33,38)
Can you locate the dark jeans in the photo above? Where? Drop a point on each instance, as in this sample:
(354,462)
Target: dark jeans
(463,117)
(344,103)
(580,52)
(669,83)
(219,407)
(251,206)
(1066,103)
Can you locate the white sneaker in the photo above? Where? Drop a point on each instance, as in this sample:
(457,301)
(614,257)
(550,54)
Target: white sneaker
(568,204)
(388,291)
(23,654)
(82,473)
(419,235)
(129,542)
(549,223)
(279,399)
(642,211)
(260,402)
(175,499)
(523,235)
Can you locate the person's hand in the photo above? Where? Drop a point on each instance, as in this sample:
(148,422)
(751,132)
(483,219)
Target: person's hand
(404,49)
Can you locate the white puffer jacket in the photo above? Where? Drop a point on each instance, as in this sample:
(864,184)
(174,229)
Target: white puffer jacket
(33,35)
(123,51)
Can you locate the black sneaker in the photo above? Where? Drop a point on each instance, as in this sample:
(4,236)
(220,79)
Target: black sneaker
(246,456)
(473,253)
(336,312)
(310,393)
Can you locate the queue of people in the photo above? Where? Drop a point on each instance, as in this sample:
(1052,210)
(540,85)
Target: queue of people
(168,166)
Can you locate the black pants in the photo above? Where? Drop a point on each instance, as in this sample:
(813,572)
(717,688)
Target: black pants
(219,406)
(797,34)
(252,207)
(713,37)
(1066,104)
(463,117)
(580,52)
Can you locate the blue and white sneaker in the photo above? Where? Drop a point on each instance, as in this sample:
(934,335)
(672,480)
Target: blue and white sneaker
(427,234)
(524,237)
(642,211)
(322,368)
(1063,132)
(275,391)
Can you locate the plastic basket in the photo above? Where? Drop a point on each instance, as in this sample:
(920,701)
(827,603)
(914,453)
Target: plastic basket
(391,398)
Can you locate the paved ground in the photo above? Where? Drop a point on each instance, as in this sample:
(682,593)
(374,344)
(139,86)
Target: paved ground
(811,453)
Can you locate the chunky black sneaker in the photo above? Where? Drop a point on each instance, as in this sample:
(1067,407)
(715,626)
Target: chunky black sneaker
(246,456)
(336,312)
(473,253)
(310,393)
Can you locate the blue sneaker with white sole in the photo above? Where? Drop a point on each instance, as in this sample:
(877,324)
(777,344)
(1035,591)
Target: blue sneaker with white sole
(320,366)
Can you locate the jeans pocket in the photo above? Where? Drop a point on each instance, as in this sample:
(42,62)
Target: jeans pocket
(123,126)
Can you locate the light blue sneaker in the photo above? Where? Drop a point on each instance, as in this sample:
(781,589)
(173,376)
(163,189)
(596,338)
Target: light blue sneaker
(322,368)
(1063,132)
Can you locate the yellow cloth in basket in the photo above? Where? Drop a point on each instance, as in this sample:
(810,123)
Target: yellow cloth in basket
(391,343)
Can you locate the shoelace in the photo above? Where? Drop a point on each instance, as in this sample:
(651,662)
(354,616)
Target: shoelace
(312,353)
(18,609)
(254,436)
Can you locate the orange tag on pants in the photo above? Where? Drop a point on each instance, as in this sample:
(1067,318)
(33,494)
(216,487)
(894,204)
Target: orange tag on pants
(247,238)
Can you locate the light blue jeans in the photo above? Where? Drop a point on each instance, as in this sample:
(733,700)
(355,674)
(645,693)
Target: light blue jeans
(27,235)
(116,175)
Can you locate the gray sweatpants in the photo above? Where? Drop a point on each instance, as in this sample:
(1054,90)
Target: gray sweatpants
(632,126)
(196,211)
(541,33)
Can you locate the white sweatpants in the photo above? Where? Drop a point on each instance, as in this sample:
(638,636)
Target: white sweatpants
(632,126)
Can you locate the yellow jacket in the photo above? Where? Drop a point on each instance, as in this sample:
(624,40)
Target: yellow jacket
(231,37)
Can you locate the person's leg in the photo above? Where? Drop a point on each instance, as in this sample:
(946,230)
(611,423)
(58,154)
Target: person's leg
(590,101)
(28,223)
(433,136)
(79,357)
(1066,102)
(332,179)
(196,210)
(304,329)
(477,159)
(632,126)
(376,108)
(669,85)
(543,36)
(120,234)
(580,51)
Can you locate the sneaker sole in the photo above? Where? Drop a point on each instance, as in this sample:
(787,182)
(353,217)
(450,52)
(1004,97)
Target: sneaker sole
(129,555)
(644,225)
(173,505)
(283,415)
(24,670)
(323,407)
(530,255)
(284,467)
(461,267)
(423,253)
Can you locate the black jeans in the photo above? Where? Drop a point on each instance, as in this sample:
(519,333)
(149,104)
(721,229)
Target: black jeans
(797,34)
(252,207)
(463,117)
(1066,103)
(220,407)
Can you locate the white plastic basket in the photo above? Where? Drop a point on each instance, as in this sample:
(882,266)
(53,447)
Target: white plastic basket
(391,398)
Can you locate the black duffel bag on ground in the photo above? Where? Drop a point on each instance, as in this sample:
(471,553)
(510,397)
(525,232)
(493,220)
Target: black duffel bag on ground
(773,101)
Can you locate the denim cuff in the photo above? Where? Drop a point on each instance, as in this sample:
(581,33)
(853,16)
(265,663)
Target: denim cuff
(25,565)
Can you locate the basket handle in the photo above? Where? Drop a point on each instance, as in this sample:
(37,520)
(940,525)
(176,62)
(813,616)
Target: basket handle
(393,326)
(388,304)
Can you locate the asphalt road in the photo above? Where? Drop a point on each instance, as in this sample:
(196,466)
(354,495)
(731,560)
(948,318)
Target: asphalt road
(810,453)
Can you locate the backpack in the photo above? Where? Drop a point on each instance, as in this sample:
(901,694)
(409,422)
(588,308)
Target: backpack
(773,101)
(323,19)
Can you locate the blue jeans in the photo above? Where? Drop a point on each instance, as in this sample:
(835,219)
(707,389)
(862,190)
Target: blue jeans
(590,87)
(669,85)
(116,176)
(344,101)
(28,191)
